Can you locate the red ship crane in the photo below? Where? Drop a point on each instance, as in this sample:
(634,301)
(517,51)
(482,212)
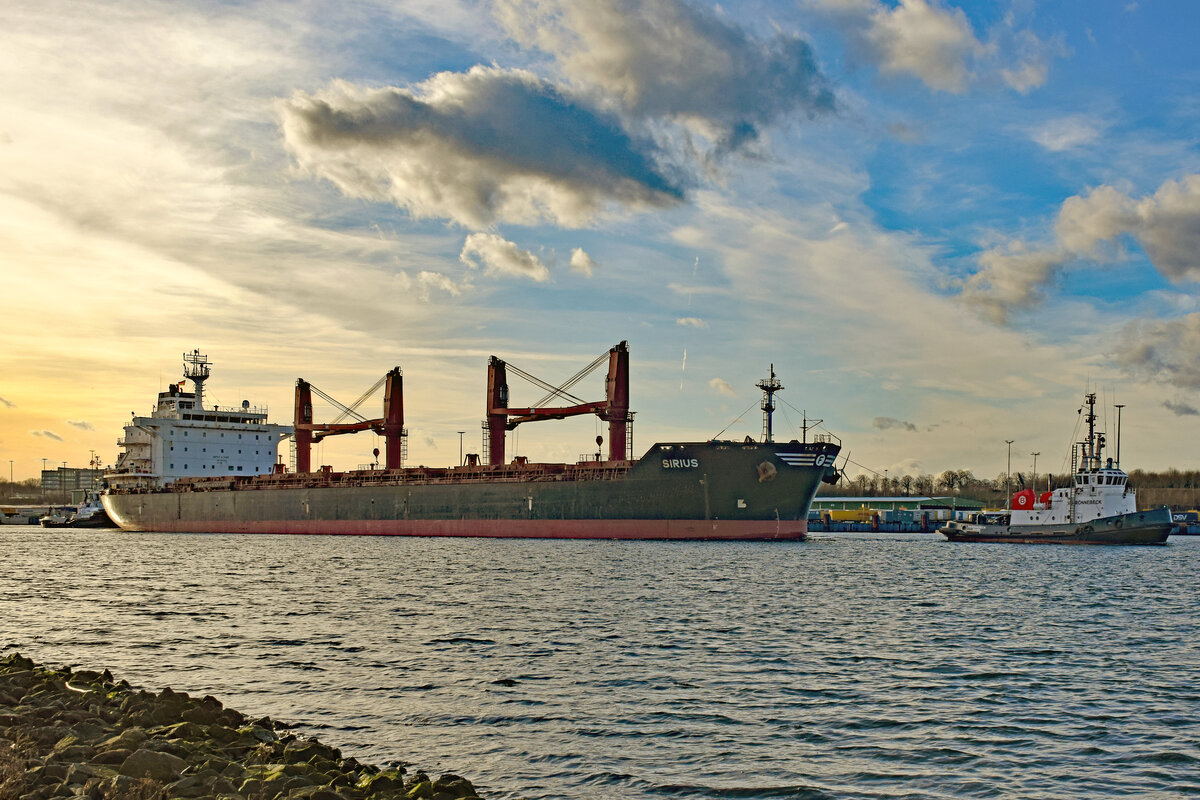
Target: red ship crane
(614,409)
(390,425)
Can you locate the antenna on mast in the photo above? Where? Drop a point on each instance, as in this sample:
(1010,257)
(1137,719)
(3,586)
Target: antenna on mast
(197,369)
(769,387)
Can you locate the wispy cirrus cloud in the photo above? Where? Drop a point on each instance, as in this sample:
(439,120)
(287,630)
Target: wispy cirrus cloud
(7,403)
(484,146)
(82,425)
(46,435)
(691,322)
(1066,133)
(428,281)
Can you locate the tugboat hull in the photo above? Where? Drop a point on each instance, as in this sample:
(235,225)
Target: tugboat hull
(1137,528)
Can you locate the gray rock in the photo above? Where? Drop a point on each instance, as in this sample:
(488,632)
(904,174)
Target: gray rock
(152,764)
(76,752)
(115,756)
(130,738)
(222,786)
(316,793)
(453,787)
(251,787)
(296,782)
(261,734)
(80,773)
(51,773)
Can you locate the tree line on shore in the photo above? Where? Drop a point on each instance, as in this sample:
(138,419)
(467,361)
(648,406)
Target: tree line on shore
(1179,489)
(30,492)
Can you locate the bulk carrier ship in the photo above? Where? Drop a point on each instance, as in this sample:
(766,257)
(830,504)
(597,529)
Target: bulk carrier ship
(188,468)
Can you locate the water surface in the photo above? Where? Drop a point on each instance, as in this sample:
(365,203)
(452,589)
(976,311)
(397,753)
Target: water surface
(848,666)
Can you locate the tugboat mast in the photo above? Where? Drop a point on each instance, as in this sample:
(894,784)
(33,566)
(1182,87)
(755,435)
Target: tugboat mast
(1093,447)
(769,387)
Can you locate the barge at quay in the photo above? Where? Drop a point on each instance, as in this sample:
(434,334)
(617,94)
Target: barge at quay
(171,478)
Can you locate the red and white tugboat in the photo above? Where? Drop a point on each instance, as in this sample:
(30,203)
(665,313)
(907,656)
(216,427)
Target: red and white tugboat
(1098,508)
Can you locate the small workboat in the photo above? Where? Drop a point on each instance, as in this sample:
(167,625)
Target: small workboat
(1099,507)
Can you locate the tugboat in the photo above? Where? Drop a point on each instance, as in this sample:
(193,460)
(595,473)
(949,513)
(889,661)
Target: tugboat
(90,514)
(1098,507)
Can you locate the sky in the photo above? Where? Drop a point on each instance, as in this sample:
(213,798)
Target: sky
(941,222)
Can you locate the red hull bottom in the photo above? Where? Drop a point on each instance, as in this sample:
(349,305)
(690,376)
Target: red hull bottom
(729,530)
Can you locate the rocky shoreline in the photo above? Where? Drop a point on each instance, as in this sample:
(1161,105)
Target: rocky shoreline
(78,733)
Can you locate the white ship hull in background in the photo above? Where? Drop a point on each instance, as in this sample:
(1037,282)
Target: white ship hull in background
(1098,507)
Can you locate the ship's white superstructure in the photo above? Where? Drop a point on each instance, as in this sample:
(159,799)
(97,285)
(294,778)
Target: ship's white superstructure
(1095,493)
(182,438)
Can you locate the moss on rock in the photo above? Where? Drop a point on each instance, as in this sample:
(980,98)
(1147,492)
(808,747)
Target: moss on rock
(80,733)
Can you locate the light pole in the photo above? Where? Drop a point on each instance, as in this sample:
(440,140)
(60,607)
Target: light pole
(1119,406)
(1034,481)
(460,452)
(1008,472)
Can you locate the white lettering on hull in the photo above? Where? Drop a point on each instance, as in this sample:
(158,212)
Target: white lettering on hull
(680,463)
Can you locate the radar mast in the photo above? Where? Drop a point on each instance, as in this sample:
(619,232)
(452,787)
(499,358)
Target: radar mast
(197,369)
(769,387)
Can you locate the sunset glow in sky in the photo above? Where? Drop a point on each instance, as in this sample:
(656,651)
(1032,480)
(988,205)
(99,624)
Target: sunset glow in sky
(942,222)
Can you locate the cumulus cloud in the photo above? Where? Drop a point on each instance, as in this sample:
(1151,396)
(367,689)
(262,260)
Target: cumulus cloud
(498,256)
(1012,276)
(1163,350)
(1166,225)
(721,386)
(669,59)
(83,425)
(485,146)
(581,262)
(691,322)
(47,435)
(936,44)
(1181,409)
(889,423)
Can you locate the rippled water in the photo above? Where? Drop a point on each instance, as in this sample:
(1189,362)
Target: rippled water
(842,667)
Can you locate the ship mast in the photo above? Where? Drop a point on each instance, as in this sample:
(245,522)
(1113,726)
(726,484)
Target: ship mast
(197,369)
(1093,446)
(769,387)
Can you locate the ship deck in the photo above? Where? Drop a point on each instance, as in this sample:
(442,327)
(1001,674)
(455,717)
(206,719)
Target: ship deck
(506,473)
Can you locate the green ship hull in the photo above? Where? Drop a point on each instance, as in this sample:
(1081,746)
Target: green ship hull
(703,490)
